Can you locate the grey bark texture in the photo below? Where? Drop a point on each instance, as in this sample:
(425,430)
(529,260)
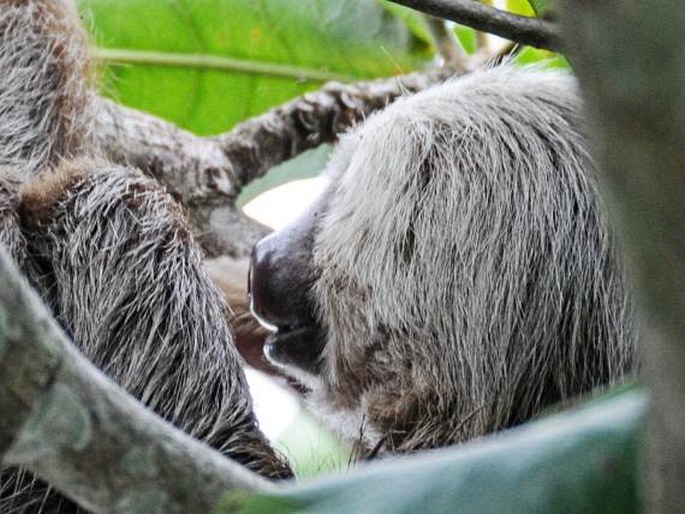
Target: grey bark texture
(630,56)
(207,174)
(70,425)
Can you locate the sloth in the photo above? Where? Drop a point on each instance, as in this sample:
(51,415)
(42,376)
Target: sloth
(110,253)
(459,274)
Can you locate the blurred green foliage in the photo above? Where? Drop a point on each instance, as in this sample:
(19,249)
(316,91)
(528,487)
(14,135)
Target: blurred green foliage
(541,6)
(209,64)
(312,449)
(580,461)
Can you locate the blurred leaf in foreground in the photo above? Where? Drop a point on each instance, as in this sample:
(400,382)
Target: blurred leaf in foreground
(583,460)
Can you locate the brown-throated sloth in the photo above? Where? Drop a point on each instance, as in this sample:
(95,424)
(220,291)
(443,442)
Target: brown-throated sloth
(459,274)
(110,253)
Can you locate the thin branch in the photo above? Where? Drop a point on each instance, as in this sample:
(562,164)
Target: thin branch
(191,167)
(447,44)
(522,29)
(63,420)
(482,38)
(213,62)
(482,42)
(255,146)
(207,174)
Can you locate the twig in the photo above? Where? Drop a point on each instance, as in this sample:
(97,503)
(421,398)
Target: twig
(447,44)
(482,38)
(213,62)
(522,29)
(255,146)
(66,422)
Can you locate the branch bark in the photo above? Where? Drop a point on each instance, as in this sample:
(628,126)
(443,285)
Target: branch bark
(629,57)
(207,174)
(71,426)
(522,29)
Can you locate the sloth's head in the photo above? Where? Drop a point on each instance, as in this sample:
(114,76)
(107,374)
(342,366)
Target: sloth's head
(458,275)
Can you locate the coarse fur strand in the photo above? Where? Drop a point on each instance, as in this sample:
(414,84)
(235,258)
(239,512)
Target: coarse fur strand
(481,281)
(110,253)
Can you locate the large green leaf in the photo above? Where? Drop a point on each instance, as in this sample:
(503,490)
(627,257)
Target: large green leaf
(579,461)
(206,64)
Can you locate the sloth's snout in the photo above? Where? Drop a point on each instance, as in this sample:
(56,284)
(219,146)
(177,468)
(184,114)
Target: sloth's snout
(280,290)
(279,283)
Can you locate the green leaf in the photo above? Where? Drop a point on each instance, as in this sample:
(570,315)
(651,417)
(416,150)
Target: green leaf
(576,461)
(207,64)
(415,21)
(522,7)
(540,6)
(467,38)
(530,55)
(312,449)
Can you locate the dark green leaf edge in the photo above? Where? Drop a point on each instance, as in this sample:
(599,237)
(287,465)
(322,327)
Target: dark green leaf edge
(583,460)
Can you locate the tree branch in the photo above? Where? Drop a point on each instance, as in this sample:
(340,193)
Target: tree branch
(256,145)
(522,29)
(192,168)
(629,57)
(447,44)
(66,422)
(207,174)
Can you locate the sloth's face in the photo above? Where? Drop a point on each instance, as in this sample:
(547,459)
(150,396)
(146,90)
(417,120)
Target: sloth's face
(356,289)
(458,275)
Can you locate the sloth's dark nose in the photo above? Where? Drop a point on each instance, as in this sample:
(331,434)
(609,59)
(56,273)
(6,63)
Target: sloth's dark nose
(280,288)
(282,273)
(280,280)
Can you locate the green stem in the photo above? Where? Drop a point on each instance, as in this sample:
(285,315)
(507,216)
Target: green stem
(212,62)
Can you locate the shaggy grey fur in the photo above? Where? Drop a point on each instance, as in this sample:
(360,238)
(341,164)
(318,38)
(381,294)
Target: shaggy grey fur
(110,252)
(10,233)
(480,281)
(45,98)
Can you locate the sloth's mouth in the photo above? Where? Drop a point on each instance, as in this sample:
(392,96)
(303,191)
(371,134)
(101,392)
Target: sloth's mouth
(296,346)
